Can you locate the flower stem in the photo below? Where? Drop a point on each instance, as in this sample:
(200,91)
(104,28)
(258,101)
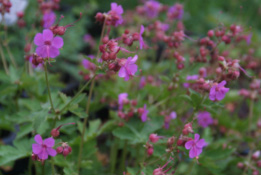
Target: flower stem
(4,60)
(10,55)
(78,93)
(85,123)
(48,87)
(113,156)
(123,156)
(43,173)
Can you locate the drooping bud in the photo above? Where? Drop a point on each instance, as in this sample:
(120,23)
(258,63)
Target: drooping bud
(55,132)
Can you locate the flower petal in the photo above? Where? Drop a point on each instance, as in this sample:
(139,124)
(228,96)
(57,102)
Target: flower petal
(222,83)
(57,42)
(41,51)
(51,151)
(196,137)
(193,152)
(201,143)
(134,59)
(53,52)
(36,148)
(38,39)
(47,35)
(38,139)
(122,72)
(189,144)
(43,155)
(49,142)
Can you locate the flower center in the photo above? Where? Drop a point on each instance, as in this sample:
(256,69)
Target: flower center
(47,43)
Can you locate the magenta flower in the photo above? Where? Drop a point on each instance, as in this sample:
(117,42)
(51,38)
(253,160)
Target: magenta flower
(168,119)
(128,68)
(48,19)
(218,91)
(47,45)
(122,99)
(192,77)
(43,148)
(195,146)
(115,13)
(88,65)
(152,8)
(142,44)
(142,82)
(175,12)
(204,119)
(144,114)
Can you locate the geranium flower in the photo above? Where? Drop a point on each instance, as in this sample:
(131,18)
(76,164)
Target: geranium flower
(218,91)
(115,13)
(195,146)
(168,119)
(128,68)
(152,8)
(175,12)
(204,119)
(88,65)
(48,19)
(47,45)
(144,114)
(122,98)
(142,44)
(43,148)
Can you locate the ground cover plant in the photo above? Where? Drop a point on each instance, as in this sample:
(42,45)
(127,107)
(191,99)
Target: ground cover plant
(144,87)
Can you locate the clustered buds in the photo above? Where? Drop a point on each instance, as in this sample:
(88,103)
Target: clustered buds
(65,149)
(5,6)
(21,23)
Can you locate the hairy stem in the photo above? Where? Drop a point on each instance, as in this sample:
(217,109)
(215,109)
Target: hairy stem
(4,60)
(85,123)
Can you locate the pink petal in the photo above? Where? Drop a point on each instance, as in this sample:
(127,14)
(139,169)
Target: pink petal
(122,72)
(132,69)
(173,115)
(53,52)
(41,51)
(127,77)
(199,151)
(47,35)
(57,42)
(222,83)
(220,95)
(141,29)
(43,155)
(189,144)
(49,142)
(51,152)
(36,148)
(38,39)
(38,139)
(201,143)
(193,152)
(196,137)
(134,59)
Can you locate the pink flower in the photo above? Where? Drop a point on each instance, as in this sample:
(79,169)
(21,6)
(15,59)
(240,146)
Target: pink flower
(152,8)
(48,19)
(47,45)
(142,44)
(195,146)
(218,91)
(128,68)
(43,148)
(175,12)
(115,13)
(88,65)
(204,119)
(168,119)
(192,77)
(154,138)
(122,99)
(144,114)
(142,82)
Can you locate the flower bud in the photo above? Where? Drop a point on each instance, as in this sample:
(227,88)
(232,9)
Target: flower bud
(59,149)
(55,132)
(150,150)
